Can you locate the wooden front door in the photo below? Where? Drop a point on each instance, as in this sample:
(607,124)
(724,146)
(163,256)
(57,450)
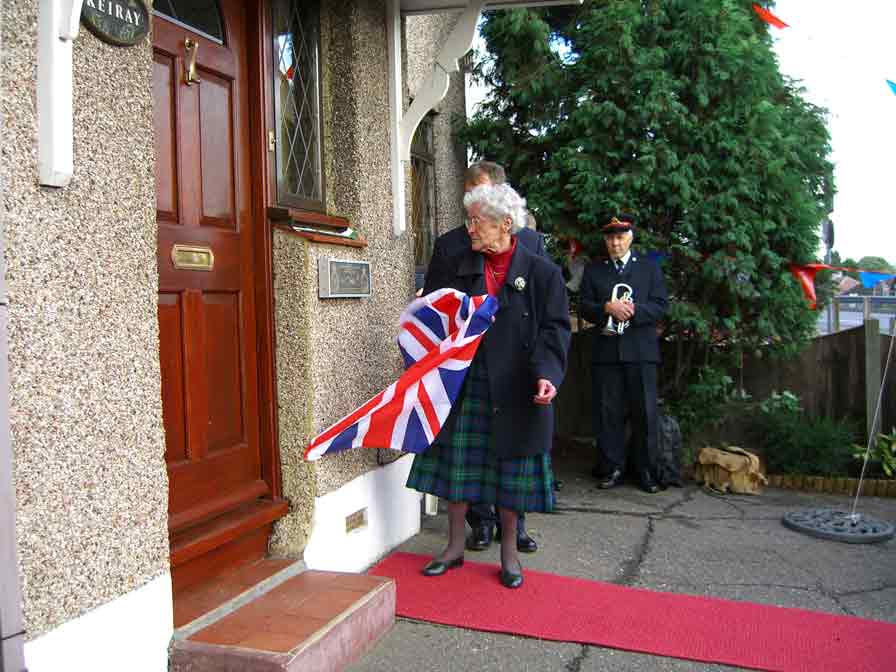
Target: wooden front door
(207,317)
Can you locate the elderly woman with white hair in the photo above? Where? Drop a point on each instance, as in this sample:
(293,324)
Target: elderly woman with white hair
(495,446)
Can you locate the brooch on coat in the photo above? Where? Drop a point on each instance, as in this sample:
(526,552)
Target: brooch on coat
(519,284)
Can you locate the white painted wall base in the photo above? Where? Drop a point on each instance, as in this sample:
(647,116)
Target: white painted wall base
(130,633)
(393,516)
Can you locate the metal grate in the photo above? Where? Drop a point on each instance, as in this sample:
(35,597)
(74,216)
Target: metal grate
(297,100)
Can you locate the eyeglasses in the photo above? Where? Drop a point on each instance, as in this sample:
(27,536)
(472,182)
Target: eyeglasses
(478,221)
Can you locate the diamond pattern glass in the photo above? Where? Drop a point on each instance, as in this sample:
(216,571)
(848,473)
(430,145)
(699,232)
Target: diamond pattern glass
(297,101)
(423,217)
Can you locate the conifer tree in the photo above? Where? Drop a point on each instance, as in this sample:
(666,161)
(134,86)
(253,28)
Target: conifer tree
(675,110)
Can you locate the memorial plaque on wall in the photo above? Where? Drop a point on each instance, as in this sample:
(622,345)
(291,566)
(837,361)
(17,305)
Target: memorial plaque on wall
(343,279)
(123,23)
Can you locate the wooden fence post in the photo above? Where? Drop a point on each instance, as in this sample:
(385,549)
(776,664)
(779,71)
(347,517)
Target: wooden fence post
(872,373)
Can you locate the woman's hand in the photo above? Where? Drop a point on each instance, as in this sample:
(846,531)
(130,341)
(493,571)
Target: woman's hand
(545,391)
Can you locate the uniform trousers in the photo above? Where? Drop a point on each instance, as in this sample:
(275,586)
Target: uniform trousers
(626,389)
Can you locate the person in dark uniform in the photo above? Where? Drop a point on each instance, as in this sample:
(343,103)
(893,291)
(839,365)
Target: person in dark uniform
(624,358)
(448,248)
(495,445)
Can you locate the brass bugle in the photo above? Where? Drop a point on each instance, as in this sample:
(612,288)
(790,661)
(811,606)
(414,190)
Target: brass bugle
(621,292)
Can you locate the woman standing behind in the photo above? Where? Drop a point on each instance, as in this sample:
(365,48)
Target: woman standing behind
(495,446)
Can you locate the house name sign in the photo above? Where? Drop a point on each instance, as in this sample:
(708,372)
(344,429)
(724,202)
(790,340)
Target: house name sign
(123,23)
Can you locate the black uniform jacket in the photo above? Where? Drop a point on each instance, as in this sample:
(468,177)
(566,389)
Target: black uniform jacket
(528,340)
(449,246)
(639,343)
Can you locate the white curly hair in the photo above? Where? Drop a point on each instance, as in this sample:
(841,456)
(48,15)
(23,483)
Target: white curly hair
(499,201)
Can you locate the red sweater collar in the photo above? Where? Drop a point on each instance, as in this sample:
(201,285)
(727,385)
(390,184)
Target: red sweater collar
(496,267)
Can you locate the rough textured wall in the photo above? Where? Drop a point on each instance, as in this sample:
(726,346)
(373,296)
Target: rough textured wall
(83,333)
(424,36)
(346,346)
(292,319)
(353,340)
(334,354)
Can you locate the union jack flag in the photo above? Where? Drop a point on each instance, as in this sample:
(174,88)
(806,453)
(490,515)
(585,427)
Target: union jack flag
(440,333)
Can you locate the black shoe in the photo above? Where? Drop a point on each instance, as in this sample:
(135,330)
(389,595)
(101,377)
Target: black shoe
(437,567)
(510,579)
(611,481)
(481,538)
(648,484)
(525,543)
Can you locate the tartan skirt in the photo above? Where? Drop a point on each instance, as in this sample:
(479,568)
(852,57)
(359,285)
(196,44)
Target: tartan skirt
(461,467)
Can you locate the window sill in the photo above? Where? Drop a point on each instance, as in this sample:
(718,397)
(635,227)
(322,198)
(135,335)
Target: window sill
(315,226)
(321,237)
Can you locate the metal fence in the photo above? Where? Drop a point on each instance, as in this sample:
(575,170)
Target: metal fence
(848,312)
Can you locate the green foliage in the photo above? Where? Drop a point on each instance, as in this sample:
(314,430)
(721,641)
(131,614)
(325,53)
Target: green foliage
(849,262)
(793,443)
(875,264)
(781,403)
(883,452)
(676,111)
(703,404)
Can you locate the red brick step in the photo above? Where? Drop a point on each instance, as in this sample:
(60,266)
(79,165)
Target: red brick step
(312,621)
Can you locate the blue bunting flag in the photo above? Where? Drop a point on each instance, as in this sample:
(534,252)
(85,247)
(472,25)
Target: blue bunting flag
(870,279)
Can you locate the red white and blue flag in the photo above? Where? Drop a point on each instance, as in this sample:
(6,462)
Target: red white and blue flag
(440,333)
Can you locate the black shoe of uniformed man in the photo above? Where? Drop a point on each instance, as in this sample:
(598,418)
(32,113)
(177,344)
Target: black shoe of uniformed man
(481,538)
(648,484)
(615,478)
(524,543)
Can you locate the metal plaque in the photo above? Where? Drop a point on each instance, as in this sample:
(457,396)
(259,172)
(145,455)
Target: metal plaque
(123,23)
(356,520)
(192,257)
(343,278)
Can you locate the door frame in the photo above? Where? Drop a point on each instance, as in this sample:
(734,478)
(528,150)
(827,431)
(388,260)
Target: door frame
(262,233)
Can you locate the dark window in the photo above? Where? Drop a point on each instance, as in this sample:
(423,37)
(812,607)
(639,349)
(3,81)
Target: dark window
(201,16)
(423,194)
(296,30)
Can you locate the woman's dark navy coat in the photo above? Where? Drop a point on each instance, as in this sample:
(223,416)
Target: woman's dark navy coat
(528,340)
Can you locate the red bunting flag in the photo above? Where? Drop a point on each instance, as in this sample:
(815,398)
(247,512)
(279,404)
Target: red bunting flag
(768,17)
(805,275)
(574,247)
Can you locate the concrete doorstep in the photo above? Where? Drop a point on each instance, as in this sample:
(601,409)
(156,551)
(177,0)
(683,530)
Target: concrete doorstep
(308,620)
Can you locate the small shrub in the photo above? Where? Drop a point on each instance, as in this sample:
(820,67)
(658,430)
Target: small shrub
(793,443)
(703,401)
(883,452)
(781,403)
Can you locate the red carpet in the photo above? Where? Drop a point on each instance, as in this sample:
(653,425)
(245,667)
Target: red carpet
(666,624)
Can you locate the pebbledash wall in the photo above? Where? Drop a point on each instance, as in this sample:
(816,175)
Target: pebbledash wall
(85,399)
(85,396)
(334,354)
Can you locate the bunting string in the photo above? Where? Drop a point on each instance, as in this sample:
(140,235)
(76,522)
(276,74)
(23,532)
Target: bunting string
(774,21)
(805,276)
